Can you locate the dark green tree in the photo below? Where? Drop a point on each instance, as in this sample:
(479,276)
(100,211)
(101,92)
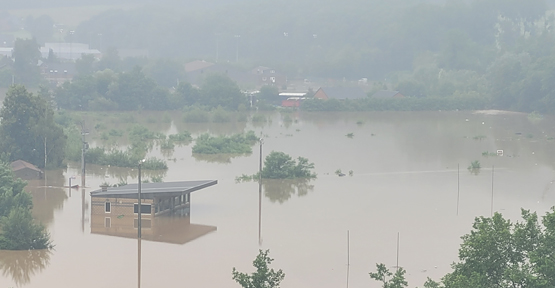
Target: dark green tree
(77,94)
(133,90)
(278,165)
(11,192)
(85,65)
(27,127)
(264,277)
(26,56)
(269,94)
(18,231)
(411,88)
(52,57)
(110,60)
(499,253)
(220,90)
(185,95)
(384,275)
(167,73)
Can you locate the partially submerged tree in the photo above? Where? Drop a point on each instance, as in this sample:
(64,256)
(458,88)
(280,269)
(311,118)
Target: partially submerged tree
(263,277)
(18,231)
(279,165)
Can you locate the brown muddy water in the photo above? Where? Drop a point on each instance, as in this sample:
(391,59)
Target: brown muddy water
(405,182)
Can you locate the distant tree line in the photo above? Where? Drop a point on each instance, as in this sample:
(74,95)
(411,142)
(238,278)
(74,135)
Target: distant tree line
(381,37)
(500,51)
(109,90)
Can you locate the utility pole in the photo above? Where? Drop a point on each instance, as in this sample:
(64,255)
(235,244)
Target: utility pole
(260,194)
(84,146)
(139,206)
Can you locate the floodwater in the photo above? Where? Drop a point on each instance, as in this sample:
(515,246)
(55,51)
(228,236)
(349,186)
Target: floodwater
(405,184)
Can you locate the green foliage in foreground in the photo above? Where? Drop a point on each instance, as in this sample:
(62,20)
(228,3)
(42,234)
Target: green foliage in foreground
(398,104)
(18,231)
(498,253)
(279,165)
(263,277)
(234,144)
(384,275)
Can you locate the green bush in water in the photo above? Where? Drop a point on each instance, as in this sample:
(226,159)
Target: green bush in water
(234,144)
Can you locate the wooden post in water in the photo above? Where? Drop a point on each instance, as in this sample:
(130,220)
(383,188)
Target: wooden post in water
(139,263)
(140,205)
(348,257)
(83,209)
(398,238)
(458,186)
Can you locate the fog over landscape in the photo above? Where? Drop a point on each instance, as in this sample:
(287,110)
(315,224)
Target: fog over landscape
(362,143)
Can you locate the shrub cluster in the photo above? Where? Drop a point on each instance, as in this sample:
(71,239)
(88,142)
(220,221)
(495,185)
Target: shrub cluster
(234,144)
(118,158)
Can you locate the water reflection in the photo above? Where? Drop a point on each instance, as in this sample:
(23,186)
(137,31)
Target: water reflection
(22,265)
(48,195)
(121,173)
(174,229)
(217,158)
(219,129)
(280,190)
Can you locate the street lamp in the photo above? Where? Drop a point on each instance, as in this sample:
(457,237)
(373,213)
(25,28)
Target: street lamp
(139,206)
(84,147)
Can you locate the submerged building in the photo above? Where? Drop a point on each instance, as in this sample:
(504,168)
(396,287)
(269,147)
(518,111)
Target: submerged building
(165,211)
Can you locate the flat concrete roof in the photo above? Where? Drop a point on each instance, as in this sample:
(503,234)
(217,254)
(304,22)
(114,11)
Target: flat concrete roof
(151,190)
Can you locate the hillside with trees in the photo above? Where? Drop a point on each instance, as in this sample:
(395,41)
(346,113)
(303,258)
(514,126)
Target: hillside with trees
(495,50)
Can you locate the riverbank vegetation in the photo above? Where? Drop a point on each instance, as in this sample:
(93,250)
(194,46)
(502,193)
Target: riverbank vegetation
(442,55)
(235,144)
(18,230)
(141,141)
(279,165)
